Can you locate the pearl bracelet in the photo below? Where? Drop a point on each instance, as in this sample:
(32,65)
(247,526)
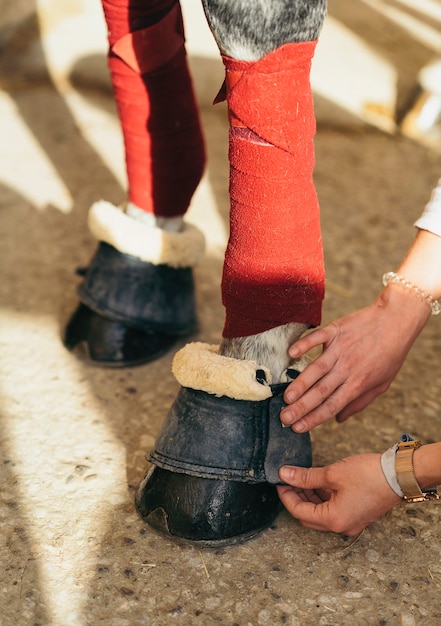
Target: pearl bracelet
(391,277)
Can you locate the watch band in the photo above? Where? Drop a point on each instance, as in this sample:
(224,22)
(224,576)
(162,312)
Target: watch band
(406,475)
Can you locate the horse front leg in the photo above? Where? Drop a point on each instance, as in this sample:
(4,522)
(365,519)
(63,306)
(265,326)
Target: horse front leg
(216,459)
(272,281)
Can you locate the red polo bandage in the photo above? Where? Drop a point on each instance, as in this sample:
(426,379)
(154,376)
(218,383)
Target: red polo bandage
(156,104)
(273,272)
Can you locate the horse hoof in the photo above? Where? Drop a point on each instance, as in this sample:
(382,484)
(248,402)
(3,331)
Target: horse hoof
(205,512)
(216,466)
(131,311)
(112,344)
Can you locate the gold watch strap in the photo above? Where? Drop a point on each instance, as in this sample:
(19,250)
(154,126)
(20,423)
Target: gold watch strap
(406,475)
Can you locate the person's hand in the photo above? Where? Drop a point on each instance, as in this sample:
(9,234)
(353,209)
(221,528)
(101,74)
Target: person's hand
(362,354)
(343,497)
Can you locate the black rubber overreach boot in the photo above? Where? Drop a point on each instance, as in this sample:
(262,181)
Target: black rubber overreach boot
(216,461)
(95,338)
(138,295)
(131,311)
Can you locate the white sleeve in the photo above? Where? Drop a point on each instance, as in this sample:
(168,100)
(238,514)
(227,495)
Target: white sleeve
(431,217)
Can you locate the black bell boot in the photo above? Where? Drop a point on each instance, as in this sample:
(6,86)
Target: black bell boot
(138,297)
(217,457)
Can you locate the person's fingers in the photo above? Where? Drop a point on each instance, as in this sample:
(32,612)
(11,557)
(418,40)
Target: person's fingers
(326,411)
(312,381)
(311,391)
(282,489)
(308,495)
(299,492)
(314,372)
(302,495)
(316,516)
(306,478)
(306,512)
(326,401)
(313,496)
(334,400)
(324,494)
(313,339)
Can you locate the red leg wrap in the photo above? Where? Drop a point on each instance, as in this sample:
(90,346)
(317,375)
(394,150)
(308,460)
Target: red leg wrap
(156,105)
(273,271)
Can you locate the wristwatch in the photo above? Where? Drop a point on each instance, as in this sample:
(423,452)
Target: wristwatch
(406,475)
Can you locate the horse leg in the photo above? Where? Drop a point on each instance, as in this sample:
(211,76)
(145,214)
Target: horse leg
(137,298)
(279,251)
(217,456)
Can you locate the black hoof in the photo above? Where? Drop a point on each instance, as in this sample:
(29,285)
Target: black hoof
(113,344)
(203,511)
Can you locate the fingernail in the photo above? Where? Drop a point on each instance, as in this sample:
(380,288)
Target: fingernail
(289,398)
(286,473)
(293,352)
(299,427)
(285,419)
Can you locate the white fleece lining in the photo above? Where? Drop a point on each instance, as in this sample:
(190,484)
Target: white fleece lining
(201,367)
(110,224)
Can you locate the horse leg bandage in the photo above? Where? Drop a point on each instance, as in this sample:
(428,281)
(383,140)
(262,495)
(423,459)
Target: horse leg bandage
(273,271)
(157,108)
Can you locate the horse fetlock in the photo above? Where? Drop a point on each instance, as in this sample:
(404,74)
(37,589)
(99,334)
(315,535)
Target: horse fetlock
(269,349)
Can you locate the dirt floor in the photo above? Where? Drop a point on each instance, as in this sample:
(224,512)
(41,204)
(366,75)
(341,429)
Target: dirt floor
(73,551)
